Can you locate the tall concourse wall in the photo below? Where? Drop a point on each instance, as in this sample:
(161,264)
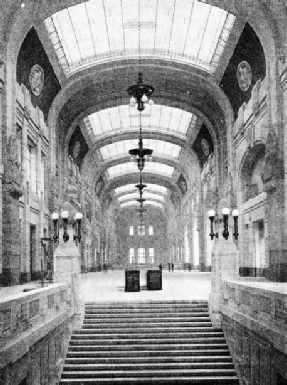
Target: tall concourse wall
(254,319)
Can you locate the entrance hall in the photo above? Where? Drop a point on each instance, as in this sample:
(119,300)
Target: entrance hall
(177,285)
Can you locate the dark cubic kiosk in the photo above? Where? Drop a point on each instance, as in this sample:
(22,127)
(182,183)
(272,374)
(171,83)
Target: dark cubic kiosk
(132,280)
(154,280)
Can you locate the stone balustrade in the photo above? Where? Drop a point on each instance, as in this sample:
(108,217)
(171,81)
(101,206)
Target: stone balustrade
(254,320)
(28,317)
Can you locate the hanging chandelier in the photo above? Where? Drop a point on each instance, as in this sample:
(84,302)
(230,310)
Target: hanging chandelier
(141,211)
(139,96)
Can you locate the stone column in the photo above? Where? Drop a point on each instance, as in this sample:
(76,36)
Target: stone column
(25,272)
(12,190)
(274,185)
(1,161)
(67,269)
(225,264)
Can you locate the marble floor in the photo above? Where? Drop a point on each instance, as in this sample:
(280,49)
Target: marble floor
(177,285)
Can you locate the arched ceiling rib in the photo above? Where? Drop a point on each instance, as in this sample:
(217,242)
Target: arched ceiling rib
(130,188)
(96,31)
(133,179)
(147,203)
(112,128)
(121,148)
(174,87)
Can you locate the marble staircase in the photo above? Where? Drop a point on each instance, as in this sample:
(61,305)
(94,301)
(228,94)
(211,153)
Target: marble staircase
(166,342)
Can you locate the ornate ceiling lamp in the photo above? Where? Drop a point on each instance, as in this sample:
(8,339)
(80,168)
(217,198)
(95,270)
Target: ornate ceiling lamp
(139,96)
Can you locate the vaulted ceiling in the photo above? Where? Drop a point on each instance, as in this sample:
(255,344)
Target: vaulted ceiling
(179,46)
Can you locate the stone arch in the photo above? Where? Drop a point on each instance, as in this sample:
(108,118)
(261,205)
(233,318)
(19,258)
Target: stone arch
(251,169)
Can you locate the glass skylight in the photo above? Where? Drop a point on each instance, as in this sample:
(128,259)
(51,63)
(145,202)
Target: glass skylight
(126,188)
(146,195)
(123,118)
(153,203)
(150,187)
(132,203)
(188,31)
(159,147)
(131,167)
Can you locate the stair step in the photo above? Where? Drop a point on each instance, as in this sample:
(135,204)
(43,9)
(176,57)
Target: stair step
(76,352)
(145,329)
(135,360)
(151,318)
(158,347)
(147,373)
(150,366)
(229,380)
(140,325)
(145,312)
(115,320)
(146,303)
(136,341)
(145,334)
(166,342)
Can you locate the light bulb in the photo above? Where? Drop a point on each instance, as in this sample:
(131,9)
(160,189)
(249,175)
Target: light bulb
(225,211)
(211,213)
(64,214)
(235,213)
(144,98)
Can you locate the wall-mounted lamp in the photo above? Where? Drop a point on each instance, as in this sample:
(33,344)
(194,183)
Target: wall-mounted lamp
(211,215)
(225,213)
(65,217)
(235,214)
(55,218)
(78,219)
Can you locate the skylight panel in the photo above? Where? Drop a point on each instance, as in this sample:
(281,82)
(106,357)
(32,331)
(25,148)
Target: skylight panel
(122,169)
(147,195)
(184,122)
(156,187)
(159,147)
(113,16)
(131,203)
(159,168)
(128,187)
(153,203)
(135,196)
(123,118)
(151,187)
(98,27)
(165,117)
(131,167)
(97,30)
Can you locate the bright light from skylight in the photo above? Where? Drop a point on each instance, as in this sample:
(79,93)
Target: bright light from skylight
(146,195)
(188,31)
(131,167)
(146,203)
(159,147)
(153,203)
(150,187)
(123,118)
